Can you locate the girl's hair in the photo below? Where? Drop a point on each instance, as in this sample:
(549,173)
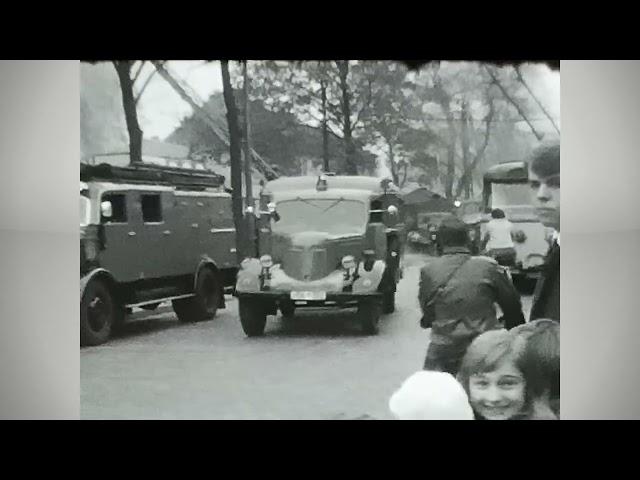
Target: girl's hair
(486,352)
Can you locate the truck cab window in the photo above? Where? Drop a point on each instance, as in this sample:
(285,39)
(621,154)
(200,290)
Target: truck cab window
(118,208)
(151,208)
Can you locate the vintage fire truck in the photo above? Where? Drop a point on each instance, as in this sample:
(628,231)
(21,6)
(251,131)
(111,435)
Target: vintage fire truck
(326,241)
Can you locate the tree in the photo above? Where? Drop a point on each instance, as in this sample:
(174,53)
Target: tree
(234,152)
(123,68)
(331,95)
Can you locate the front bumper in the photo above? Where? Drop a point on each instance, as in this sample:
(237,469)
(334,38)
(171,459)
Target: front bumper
(332,298)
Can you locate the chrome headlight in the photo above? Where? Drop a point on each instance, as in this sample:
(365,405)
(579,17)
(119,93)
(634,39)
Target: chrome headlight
(266,261)
(348,262)
(519,236)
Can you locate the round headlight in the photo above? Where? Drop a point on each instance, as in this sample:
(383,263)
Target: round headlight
(266,261)
(519,236)
(271,206)
(348,262)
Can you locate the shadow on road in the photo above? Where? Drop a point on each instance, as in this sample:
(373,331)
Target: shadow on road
(316,322)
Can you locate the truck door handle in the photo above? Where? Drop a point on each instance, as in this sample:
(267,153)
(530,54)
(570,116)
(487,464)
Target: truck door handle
(132,234)
(167,232)
(194,225)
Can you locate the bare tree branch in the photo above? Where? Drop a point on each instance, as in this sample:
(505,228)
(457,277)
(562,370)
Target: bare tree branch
(137,74)
(512,101)
(522,81)
(144,85)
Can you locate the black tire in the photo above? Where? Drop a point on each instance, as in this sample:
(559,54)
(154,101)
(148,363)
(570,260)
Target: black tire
(253,317)
(288,310)
(98,313)
(389,302)
(204,305)
(369,313)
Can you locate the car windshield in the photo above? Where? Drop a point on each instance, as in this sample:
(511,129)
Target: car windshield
(509,194)
(85,205)
(334,216)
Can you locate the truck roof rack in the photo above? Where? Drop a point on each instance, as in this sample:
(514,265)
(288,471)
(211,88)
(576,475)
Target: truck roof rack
(184,178)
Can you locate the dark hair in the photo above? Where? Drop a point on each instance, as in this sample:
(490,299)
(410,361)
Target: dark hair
(545,160)
(452,232)
(497,213)
(540,358)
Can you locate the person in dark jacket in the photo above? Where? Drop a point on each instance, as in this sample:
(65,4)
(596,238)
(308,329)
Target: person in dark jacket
(544,179)
(458,293)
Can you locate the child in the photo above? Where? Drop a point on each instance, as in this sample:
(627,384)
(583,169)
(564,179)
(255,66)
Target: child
(430,395)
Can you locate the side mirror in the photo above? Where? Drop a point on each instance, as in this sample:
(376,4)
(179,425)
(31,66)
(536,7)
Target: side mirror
(106,209)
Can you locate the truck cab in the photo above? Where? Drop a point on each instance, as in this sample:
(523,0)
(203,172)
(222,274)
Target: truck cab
(326,241)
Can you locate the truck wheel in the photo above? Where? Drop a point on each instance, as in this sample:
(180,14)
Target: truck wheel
(369,314)
(389,302)
(252,317)
(204,304)
(98,313)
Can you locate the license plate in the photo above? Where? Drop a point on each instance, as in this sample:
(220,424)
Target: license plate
(308,295)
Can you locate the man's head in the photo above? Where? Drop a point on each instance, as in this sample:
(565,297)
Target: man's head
(544,179)
(497,213)
(452,232)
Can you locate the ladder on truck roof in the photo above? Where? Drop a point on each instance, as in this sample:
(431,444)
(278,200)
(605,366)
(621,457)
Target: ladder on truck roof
(185,178)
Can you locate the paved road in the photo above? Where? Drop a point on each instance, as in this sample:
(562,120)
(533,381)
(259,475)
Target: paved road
(316,366)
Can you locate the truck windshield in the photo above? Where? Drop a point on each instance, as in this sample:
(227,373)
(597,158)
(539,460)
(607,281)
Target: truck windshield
(509,194)
(333,216)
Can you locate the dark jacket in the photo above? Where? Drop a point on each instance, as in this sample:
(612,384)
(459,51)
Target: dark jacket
(546,297)
(466,306)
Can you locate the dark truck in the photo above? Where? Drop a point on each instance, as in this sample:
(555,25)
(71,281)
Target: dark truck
(150,235)
(328,241)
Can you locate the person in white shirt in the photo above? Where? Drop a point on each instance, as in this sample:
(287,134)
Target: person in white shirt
(498,241)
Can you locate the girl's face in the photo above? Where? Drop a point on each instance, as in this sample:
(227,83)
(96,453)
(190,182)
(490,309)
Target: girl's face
(500,394)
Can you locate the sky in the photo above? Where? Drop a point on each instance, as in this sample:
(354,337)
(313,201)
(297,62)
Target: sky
(161,109)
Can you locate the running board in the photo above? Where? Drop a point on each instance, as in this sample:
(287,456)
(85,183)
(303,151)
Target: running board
(158,300)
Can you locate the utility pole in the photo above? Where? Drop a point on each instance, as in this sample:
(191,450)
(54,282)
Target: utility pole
(251,223)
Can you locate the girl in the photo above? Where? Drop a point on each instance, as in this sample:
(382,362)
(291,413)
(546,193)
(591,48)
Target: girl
(490,375)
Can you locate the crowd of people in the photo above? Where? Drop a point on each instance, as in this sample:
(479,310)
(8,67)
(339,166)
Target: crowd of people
(479,365)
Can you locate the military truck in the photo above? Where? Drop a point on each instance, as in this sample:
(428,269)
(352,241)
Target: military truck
(150,235)
(327,241)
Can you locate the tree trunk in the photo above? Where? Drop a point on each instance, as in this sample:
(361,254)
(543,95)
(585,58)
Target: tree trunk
(251,226)
(351,167)
(392,165)
(465,147)
(325,132)
(123,68)
(235,155)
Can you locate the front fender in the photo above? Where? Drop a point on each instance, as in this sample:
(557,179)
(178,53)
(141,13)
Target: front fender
(369,281)
(98,272)
(248,279)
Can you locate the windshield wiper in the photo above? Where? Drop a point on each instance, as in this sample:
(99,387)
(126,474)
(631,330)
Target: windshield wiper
(333,204)
(307,201)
